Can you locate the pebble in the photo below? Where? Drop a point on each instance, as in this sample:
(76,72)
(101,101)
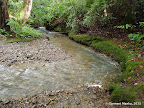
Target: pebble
(36,50)
(94,92)
(51,94)
(80,98)
(95,98)
(5,101)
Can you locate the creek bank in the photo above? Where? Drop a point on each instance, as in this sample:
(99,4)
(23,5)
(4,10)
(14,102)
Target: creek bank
(127,87)
(103,46)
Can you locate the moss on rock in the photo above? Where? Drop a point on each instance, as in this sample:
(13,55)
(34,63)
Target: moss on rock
(111,49)
(123,95)
(85,39)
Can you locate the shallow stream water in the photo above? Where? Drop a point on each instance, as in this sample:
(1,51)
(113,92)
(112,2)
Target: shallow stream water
(84,67)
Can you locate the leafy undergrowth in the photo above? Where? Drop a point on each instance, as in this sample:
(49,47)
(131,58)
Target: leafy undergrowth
(19,32)
(129,86)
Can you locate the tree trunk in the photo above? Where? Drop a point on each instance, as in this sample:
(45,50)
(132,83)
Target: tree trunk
(25,13)
(4,14)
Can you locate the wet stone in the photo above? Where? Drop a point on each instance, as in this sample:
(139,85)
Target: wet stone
(94,92)
(5,101)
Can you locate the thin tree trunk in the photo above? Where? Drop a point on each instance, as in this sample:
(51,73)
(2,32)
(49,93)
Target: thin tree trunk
(4,15)
(25,13)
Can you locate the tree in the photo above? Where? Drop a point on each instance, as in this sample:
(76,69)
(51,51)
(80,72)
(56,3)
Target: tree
(4,14)
(26,11)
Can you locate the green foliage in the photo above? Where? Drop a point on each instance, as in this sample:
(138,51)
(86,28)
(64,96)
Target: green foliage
(136,39)
(3,34)
(141,24)
(79,14)
(22,30)
(69,10)
(3,31)
(95,15)
(127,26)
(77,11)
(123,95)
(89,3)
(39,11)
(30,32)
(15,7)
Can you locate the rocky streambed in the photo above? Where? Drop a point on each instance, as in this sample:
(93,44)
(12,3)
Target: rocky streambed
(35,51)
(53,74)
(79,97)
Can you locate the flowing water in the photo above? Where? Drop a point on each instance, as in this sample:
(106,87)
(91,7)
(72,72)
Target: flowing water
(85,67)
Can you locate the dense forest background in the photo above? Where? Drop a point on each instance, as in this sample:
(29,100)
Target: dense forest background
(81,15)
(85,14)
(113,18)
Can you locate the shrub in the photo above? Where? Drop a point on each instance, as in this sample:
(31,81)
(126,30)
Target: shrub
(22,30)
(15,7)
(136,39)
(95,15)
(39,11)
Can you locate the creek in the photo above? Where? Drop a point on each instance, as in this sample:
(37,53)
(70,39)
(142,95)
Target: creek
(85,67)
